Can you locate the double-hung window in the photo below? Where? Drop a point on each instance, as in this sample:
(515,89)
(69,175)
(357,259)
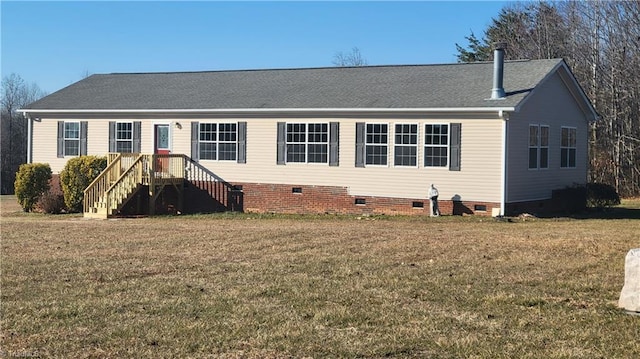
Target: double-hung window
(376,145)
(72,138)
(436,145)
(124,137)
(568,147)
(307,142)
(538,146)
(406,145)
(218,141)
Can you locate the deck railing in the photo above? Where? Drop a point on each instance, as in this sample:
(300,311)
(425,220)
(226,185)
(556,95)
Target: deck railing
(124,173)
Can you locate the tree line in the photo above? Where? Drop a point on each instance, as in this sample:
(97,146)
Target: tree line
(16,93)
(600,41)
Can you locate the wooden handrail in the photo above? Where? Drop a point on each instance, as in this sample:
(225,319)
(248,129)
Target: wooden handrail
(99,185)
(125,171)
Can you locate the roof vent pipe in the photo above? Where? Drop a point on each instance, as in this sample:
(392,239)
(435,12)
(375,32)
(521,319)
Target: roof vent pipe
(498,70)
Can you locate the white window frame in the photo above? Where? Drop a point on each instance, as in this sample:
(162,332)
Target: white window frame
(368,144)
(539,147)
(568,147)
(306,142)
(69,139)
(118,140)
(439,145)
(218,140)
(415,145)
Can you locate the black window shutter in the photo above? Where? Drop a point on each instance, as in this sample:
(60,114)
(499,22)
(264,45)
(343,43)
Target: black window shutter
(137,136)
(83,138)
(334,143)
(195,136)
(112,136)
(60,139)
(454,147)
(242,142)
(360,149)
(282,143)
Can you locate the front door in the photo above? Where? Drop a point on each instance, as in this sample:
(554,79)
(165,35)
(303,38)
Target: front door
(161,147)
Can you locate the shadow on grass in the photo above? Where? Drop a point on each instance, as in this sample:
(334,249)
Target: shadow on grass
(610,213)
(600,213)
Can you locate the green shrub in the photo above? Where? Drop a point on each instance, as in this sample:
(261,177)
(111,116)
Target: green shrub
(77,174)
(600,195)
(32,180)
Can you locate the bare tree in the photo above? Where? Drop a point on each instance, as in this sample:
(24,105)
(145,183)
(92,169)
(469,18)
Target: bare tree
(353,58)
(16,93)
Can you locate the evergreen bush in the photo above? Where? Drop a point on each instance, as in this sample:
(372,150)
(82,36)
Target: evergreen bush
(600,195)
(32,180)
(77,174)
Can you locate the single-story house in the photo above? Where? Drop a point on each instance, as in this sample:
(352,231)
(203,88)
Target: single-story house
(494,137)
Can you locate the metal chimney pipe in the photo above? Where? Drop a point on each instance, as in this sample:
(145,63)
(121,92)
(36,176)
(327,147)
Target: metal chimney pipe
(498,70)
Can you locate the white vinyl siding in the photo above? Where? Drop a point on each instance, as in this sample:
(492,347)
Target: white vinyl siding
(554,106)
(477,180)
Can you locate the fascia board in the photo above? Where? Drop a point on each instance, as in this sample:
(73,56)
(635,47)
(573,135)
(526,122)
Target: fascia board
(282,110)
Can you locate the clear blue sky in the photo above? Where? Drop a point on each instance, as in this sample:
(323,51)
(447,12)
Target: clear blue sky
(56,43)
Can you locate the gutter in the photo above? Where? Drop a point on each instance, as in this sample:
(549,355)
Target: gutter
(499,110)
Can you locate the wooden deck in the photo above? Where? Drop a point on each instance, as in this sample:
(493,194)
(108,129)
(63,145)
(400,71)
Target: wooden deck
(128,173)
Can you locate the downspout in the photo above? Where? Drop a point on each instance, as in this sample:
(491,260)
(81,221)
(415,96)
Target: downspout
(504,159)
(29,141)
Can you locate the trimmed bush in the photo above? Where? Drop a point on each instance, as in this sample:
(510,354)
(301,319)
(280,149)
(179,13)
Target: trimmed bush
(32,180)
(77,174)
(600,195)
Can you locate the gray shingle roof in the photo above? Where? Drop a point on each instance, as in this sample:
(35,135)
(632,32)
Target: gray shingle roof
(380,87)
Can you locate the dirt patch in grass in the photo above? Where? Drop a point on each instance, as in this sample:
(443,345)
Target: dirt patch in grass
(241,286)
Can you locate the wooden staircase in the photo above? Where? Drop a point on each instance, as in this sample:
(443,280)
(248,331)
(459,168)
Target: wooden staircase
(128,173)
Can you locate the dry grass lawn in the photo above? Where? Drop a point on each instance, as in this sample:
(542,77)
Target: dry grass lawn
(246,286)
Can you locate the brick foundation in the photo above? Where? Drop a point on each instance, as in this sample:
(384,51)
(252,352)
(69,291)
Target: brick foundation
(209,197)
(295,199)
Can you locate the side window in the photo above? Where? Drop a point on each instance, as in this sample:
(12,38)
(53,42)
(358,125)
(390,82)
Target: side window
(568,147)
(436,145)
(406,145)
(538,146)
